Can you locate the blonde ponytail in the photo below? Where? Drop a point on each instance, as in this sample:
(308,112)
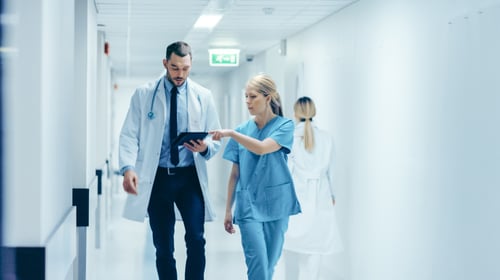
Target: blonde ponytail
(305,110)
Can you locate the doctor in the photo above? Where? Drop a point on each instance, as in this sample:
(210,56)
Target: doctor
(313,234)
(168,183)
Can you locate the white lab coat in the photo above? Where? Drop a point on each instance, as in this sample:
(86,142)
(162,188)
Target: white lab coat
(314,231)
(141,140)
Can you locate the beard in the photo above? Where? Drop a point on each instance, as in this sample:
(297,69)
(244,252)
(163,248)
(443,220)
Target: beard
(177,81)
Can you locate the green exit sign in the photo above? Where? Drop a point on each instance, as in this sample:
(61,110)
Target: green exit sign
(224,57)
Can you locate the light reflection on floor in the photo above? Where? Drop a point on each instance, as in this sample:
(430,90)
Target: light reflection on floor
(127,252)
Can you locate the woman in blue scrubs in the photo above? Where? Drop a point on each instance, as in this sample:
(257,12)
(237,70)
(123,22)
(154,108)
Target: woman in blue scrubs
(260,185)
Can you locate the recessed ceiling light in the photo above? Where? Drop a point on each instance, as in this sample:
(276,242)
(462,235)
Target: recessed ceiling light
(207,21)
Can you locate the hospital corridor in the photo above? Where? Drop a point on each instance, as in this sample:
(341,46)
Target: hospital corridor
(129,252)
(327,140)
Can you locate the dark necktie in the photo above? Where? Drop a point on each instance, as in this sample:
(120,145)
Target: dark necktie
(174,150)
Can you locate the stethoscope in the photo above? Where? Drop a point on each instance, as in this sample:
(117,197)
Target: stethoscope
(151,114)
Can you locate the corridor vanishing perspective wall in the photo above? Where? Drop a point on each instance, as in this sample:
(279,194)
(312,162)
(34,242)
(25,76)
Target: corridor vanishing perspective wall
(409,90)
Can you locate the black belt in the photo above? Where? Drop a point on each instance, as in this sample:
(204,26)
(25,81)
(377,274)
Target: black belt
(177,170)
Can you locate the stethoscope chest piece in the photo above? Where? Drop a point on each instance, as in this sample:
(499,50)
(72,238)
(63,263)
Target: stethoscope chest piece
(151,115)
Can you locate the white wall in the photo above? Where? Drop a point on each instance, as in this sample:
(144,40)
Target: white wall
(83,107)
(22,126)
(103,103)
(409,90)
(37,121)
(50,125)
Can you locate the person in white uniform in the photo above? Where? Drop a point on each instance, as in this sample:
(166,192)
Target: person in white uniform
(165,181)
(314,232)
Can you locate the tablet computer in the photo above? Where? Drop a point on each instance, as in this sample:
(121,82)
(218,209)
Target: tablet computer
(184,137)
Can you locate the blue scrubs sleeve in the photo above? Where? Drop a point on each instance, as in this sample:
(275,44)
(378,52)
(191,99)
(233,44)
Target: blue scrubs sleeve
(283,135)
(231,151)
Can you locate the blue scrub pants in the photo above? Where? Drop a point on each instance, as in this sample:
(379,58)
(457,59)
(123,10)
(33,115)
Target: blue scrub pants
(184,190)
(262,244)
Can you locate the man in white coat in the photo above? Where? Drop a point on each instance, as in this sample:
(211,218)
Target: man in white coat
(168,182)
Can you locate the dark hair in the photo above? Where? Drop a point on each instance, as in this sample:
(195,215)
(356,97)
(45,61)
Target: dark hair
(179,48)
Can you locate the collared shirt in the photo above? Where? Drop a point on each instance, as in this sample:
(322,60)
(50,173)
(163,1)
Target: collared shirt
(185,155)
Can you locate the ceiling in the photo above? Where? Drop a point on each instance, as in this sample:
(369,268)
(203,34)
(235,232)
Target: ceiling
(138,31)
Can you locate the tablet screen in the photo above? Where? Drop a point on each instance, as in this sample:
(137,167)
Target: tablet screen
(184,137)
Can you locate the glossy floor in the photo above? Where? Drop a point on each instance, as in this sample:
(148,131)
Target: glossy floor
(127,252)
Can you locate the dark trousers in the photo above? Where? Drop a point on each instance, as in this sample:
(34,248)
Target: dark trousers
(183,190)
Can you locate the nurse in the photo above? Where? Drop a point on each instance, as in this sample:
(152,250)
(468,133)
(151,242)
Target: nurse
(260,184)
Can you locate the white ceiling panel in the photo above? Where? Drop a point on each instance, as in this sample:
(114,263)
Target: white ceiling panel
(138,31)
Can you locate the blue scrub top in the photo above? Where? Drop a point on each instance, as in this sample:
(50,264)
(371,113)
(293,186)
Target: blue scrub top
(265,190)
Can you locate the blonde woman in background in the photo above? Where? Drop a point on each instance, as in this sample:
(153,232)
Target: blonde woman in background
(312,233)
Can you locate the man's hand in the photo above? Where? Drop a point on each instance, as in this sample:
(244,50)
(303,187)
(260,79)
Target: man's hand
(130,181)
(196,146)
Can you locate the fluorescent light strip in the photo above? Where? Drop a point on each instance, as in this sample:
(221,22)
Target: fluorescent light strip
(207,21)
